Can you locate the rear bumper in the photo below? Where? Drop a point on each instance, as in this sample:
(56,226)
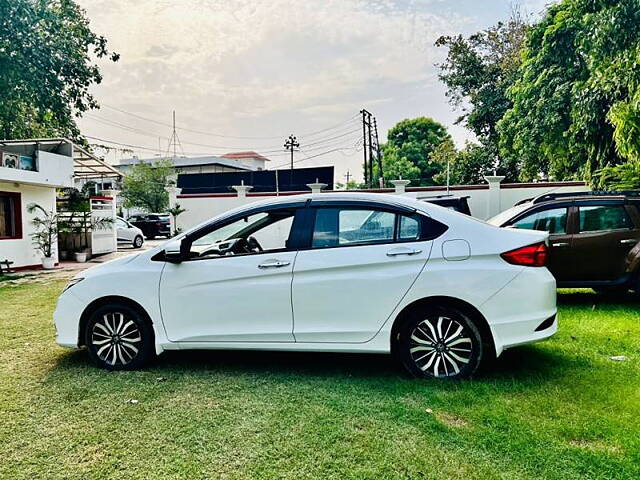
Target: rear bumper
(516,313)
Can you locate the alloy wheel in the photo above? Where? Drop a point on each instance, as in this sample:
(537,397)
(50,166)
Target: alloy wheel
(116,339)
(440,347)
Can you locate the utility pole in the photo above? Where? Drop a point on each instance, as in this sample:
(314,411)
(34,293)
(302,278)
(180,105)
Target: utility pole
(375,132)
(364,145)
(290,144)
(348,177)
(174,139)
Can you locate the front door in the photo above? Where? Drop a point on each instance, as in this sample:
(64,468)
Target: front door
(236,287)
(362,261)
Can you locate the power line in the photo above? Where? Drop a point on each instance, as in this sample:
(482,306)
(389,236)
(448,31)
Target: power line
(213,134)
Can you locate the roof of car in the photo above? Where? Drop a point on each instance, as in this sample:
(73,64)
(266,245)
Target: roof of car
(589,195)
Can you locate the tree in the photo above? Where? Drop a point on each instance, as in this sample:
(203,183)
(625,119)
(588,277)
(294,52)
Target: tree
(574,101)
(46,67)
(145,186)
(478,71)
(406,153)
(466,167)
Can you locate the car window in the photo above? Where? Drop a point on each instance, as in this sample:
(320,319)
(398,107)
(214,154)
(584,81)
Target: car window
(336,227)
(553,221)
(409,228)
(603,217)
(260,232)
(121,223)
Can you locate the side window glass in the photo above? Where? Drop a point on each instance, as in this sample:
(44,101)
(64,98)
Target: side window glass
(257,233)
(121,223)
(553,221)
(603,217)
(341,227)
(409,228)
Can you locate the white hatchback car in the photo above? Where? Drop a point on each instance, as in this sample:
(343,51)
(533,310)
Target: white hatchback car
(349,272)
(129,234)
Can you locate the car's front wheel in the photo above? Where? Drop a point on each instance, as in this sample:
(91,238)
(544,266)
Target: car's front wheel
(118,338)
(441,342)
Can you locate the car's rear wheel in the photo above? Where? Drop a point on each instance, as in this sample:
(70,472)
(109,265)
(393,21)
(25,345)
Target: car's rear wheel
(138,241)
(441,342)
(118,338)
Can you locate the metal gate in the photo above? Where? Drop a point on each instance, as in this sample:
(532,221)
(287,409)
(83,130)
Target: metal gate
(104,237)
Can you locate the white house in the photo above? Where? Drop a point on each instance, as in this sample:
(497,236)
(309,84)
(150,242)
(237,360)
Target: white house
(30,172)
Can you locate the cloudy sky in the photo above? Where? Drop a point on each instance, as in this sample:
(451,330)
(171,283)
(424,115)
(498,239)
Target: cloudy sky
(243,75)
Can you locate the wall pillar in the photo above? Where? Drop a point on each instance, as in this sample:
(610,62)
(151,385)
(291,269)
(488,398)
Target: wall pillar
(114,212)
(494,206)
(401,185)
(242,189)
(316,187)
(173,201)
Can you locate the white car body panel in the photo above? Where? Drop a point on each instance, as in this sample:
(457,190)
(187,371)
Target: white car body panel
(126,232)
(343,299)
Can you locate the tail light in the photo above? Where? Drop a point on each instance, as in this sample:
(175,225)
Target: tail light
(531,256)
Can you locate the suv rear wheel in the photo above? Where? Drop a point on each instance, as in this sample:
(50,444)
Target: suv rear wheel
(440,343)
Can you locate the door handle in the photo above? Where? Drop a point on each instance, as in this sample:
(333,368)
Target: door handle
(403,251)
(628,241)
(560,244)
(273,264)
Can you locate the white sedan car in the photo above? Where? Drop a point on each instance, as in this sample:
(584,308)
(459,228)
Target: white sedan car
(128,234)
(352,272)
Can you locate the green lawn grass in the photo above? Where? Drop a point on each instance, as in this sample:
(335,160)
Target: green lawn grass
(558,409)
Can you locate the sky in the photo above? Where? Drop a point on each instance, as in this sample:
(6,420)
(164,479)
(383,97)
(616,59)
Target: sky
(243,75)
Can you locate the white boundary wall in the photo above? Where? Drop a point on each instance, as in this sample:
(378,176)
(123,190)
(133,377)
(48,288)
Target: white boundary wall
(485,200)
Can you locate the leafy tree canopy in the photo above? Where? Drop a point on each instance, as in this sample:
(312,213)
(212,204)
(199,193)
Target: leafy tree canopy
(575,102)
(466,167)
(145,186)
(409,145)
(47,53)
(478,71)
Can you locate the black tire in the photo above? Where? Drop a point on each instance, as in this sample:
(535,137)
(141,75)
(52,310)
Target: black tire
(118,337)
(138,241)
(439,342)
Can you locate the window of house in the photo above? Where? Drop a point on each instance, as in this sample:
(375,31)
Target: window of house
(10,215)
(604,217)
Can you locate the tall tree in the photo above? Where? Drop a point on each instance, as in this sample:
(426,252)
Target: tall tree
(47,64)
(575,99)
(466,167)
(145,186)
(478,71)
(409,145)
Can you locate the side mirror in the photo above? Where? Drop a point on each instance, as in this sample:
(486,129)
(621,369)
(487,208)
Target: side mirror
(172,252)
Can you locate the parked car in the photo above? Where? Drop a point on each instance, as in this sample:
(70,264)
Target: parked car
(129,234)
(594,236)
(452,202)
(152,224)
(350,272)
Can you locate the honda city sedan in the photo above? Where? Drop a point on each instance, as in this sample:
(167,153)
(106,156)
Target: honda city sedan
(351,272)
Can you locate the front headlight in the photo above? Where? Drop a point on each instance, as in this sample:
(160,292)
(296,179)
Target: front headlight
(73,282)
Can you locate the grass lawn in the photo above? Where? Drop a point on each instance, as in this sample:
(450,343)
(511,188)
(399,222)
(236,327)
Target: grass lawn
(558,409)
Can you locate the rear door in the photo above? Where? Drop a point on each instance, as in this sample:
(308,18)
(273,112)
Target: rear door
(360,262)
(556,221)
(605,235)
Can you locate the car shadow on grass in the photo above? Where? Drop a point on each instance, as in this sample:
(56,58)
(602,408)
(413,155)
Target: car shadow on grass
(588,298)
(522,364)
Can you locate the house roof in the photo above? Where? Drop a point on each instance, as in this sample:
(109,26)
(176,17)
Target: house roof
(85,164)
(248,154)
(188,162)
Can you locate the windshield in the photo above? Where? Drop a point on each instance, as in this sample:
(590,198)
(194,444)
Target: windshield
(507,215)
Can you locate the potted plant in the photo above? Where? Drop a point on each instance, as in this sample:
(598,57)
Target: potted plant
(45,235)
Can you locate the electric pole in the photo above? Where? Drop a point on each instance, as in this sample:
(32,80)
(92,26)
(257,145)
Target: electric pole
(348,177)
(290,144)
(379,156)
(364,145)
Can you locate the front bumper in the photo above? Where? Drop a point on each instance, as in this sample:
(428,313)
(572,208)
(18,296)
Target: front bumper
(66,319)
